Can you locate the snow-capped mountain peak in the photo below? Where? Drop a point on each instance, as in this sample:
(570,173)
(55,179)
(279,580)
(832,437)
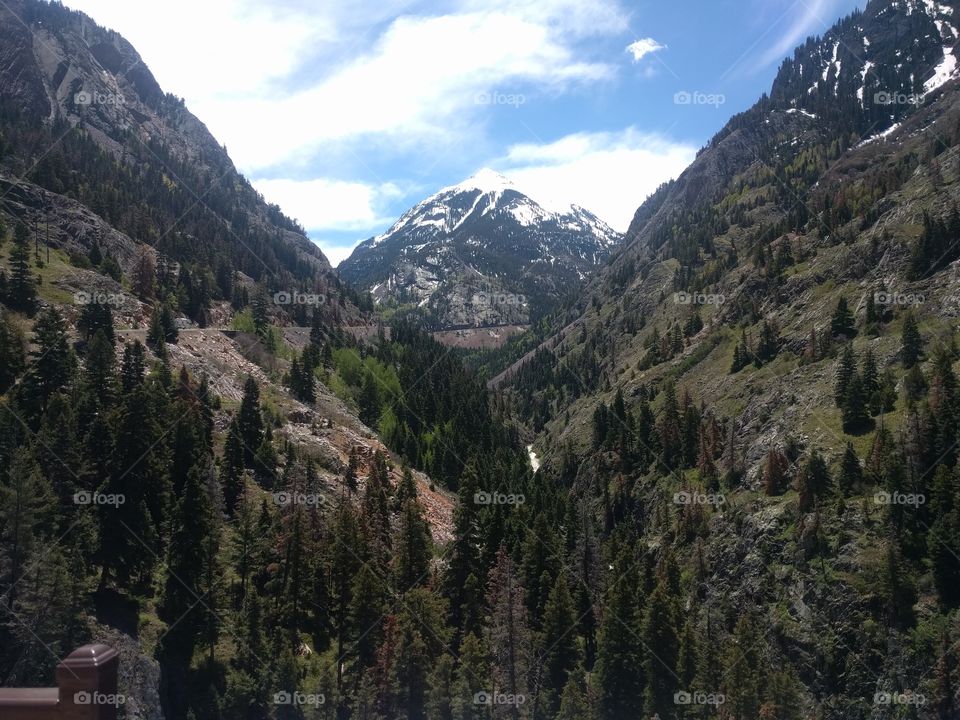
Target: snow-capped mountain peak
(485,180)
(480,236)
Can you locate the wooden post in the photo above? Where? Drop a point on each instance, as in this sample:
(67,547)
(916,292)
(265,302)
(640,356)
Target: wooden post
(86,690)
(87,681)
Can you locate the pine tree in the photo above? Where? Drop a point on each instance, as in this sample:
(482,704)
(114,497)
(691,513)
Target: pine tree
(169,324)
(463,557)
(943,540)
(13,348)
(742,663)
(421,636)
(851,473)
(814,481)
(911,343)
(250,422)
(130,532)
(507,631)
(188,603)
(842,322)
(619,678)
(155,334)
(231,468)
(854,411)
(472,676)
(668,429)
(872,317)
(376,511)
(144,275)
(775,472)
(769,344)
(897,587)
(660,638)
(343,563)
(96,316)
(575,703)
(261,315)
(412,551)
(846,369)
(131,371)
(870,379)
(52,361)
(22,285)
(366,614)
(99,376)
(27,509)
(560,643)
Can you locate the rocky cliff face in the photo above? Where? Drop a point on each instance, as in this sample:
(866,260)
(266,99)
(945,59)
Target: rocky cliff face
(83,117)
(481,253)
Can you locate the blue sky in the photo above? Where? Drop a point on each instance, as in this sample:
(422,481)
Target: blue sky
(345,114)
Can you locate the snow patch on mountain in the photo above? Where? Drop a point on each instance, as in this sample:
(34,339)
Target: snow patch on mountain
(942,72)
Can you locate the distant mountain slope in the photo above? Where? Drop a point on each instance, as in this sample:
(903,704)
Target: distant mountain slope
(820,167)
(481,253)
(696,402)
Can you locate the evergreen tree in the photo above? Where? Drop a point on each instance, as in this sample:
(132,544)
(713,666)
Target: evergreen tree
(911,343)
(96,316)
(189,600)
(560,643)
(27,509)
(463,556)
(412,551)
(660,639)
(769,344)
(508,631)
(419,638)
(132,369)
(851,473)
(854,411)
(814,481)
(250,422)
(145,275)
(155,334)
(22,287)
(619,678)
(231,468)
(742,663)
(842,322)
(52,361)
(131,530)
(944,536)
(575,703)
(846,370)
(99,375)
(13,348)
(870,379)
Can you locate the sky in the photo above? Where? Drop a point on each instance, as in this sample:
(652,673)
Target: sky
(346,114)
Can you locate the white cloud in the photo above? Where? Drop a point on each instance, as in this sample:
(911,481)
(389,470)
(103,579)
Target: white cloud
(643,47)
(609,173)
(336,253)
(216,48)
(326,204)
(417,84)
(254,74)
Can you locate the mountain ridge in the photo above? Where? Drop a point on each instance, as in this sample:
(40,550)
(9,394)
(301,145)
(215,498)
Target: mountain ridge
(482,237)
